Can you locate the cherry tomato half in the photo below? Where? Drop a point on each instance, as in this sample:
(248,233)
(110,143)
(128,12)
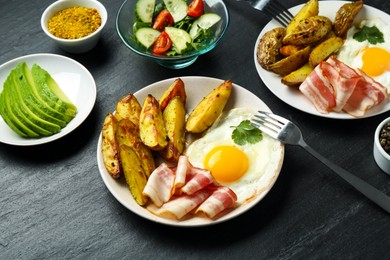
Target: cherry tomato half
(162,44)
(195,8)
(163,19)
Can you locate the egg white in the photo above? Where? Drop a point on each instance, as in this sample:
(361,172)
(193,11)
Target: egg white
(263,157)
(351,52)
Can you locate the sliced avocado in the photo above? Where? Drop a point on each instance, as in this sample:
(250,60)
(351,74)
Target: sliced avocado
(17,109)
(30,96)
(17,125)
(4,115)
(45,86)
(36,123)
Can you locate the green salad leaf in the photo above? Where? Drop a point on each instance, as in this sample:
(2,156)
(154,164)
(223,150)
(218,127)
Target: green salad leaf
(245,132)
(372,34)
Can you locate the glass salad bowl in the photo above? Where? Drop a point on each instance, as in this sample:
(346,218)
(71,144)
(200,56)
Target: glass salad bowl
(126,28)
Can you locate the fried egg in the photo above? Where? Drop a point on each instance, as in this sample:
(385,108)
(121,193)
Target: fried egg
(373,59)
(248,169)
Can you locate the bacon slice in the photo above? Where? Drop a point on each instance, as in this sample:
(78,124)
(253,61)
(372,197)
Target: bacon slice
(318,90)
(197,180)
(367,94)
(183,165)
(343,79)
(160,185)
(180,206)
(222,198)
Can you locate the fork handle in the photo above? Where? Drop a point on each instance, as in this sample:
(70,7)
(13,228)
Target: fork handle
(369,191)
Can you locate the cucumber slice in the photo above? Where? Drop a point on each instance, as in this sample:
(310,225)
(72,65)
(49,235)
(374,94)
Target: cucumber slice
(179,37)
(147,36)
(144,10)
(177,8)
(203,22)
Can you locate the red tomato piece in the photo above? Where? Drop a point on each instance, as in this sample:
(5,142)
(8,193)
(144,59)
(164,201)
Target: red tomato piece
(195,8)
(162,44)
(163,19)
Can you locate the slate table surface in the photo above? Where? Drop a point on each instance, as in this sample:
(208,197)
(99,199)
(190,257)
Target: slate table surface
(54,204)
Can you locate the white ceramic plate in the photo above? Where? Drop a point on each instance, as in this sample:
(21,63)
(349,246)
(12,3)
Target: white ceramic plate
(292,96)
(196,89)
(74,80)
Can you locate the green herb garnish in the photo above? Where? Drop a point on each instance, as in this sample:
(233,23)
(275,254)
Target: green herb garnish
(372,34)
(245,132)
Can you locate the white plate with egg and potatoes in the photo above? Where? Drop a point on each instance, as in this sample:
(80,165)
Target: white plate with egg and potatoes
(293,96)
(197,88)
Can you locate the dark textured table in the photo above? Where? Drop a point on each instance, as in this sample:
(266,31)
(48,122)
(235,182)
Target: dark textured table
(54,204)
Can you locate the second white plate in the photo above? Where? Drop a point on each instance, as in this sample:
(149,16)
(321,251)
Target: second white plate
(293,96)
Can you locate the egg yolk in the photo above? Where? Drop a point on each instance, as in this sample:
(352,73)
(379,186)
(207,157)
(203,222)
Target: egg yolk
(226,163)
(375,61)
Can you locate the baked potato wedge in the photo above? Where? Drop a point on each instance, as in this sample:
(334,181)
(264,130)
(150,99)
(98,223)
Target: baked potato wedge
(128,134)
(291,63)
(345,16)
(324,50)
(308,31)
(287,50)
(209,108)
(308,10)
(174,118)
(110,149)
(152,128)
(295,78)
(134,173)
(268,47)
(128,107)
(175,89)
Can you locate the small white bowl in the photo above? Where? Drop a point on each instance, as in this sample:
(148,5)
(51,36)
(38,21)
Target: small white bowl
(74,45)
(381,157)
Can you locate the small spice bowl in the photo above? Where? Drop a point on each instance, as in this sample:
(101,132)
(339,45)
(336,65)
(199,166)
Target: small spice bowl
(382,135)
(78,45)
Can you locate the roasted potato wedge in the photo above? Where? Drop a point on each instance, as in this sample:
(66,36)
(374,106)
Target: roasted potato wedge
(174,118)
(152,129)
(175,89)
(308,31)
(128,134)
(134,173)
(268,47)
(293,62)
(128,107)
(209,109)
(308,10)
(324,50)
(288,50)
(110,149)
(295,78)
(345,16)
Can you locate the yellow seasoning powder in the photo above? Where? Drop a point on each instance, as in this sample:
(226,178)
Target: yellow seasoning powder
(75,22)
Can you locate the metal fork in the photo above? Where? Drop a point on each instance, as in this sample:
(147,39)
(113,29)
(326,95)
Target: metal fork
(272,9)
(288,133)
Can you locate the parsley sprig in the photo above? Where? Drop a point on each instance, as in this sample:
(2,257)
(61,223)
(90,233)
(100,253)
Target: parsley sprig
(245,132)
(372,34)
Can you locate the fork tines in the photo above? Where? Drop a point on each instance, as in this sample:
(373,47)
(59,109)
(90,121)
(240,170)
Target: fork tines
(267,122)
(276,10)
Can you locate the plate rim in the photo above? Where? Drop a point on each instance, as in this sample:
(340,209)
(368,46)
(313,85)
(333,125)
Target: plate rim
(79,119)
(205,222)
(308,107)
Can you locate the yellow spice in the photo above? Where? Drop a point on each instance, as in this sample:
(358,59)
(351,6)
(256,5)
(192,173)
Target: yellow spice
(75,22)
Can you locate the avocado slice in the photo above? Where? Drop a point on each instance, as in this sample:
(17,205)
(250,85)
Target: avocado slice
(44,85)
(10,118)
(25,114)
(8,121)
(32,97)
